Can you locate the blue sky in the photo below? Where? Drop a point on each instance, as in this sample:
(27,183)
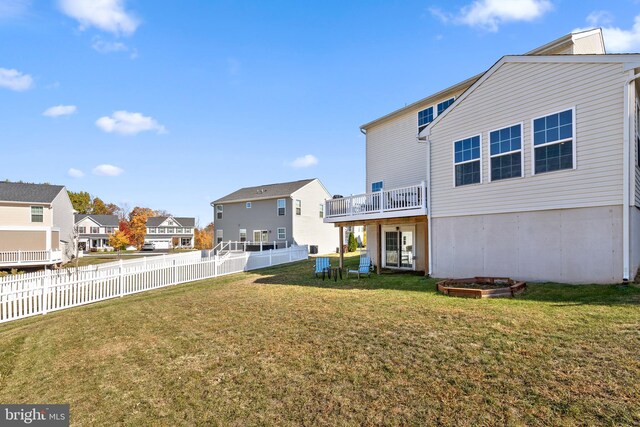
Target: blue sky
(171,105)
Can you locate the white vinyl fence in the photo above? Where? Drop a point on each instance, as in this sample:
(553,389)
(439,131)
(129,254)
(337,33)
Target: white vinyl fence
(29,294)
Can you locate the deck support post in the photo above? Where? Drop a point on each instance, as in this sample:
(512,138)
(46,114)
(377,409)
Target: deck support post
(378,248)
(426,247)
(341,247)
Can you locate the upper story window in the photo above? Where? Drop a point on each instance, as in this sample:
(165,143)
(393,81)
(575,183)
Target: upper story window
(82,230)
(376,186)
(298,207)
(505,151)
(152,230)
(467,161)
(248,205)
(37,214)
(109,230)
(219,210)
(95,230)
(444,105)
(282,207)
(424,118)
(321,210)
(553,145)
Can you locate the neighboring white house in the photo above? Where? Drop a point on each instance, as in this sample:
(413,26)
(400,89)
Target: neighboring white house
(167,232)
(94,231)
(36,224)
(276,214)
(529,170)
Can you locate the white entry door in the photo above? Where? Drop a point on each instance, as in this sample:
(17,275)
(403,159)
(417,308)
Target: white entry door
(398,247)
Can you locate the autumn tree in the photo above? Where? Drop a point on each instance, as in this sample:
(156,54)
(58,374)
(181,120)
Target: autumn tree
(81,201)
(204,237)
(138,224)
(118,240)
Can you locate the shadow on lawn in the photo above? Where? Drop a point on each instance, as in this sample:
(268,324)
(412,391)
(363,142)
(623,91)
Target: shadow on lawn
(301,274)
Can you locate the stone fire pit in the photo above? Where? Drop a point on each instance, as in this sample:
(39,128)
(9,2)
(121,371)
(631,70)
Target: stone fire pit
(481,287)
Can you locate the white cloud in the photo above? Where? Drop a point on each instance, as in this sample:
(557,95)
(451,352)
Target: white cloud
(60,110)
(15,80)
(616,39)
(107,170)
(13,8)
(490,14)
(75,173)
(304,161)
(106,15)
(103,46)
(126,123)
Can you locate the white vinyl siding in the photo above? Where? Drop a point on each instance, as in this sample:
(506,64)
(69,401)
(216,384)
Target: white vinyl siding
(596,92)
(393,154)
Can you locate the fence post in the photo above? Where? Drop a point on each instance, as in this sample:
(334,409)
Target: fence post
(120,291)
(215,265)
(290,253)
(174,272)
(46,283)
(270,260)
(260,245)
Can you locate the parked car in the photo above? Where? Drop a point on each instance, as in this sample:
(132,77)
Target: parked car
(148,246)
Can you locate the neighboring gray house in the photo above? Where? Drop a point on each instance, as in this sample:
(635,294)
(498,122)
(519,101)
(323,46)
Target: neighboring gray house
(36,224)
(282,214)
(168,232)
(94,231)
(529,170)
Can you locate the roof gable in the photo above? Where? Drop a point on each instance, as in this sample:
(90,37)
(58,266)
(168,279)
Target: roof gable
(28,193)
(102,220)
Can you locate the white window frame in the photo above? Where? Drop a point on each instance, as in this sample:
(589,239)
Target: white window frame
(284,233)
(31,214)
(97,230)
(240,233)
(453,158)
(248,205)
(434,114)
(262,233)
(82,230)
(219,211)
(321,211)
(298,204)
(278,207)
(573,147)
(381,188)
(491,156)
(219,236)
(435,110)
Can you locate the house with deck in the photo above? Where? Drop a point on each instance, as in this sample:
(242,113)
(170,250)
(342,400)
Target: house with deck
(529,170)
(36,225)
(275,215)
(94,231)
(167,232)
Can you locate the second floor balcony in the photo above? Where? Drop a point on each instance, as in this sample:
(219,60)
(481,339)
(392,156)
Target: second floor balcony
(393,203)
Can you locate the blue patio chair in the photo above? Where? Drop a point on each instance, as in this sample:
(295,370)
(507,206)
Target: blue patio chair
(322,266)
(363,268)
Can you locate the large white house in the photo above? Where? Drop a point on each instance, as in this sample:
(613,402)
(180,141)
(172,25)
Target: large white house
(529,170)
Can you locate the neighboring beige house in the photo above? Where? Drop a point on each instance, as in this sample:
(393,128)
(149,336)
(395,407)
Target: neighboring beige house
(276,215)
(36,224)
(167,232)
(94,231)
(529,170)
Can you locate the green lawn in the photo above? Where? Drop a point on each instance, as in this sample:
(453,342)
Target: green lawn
(279,347)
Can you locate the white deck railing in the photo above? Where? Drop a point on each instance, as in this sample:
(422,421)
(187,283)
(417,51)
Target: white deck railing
(394,200)
(248,245)
(29,294)
(18,258)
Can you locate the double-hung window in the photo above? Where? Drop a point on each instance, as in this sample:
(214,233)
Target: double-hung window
(321,210)
(95,230)
(282,233)
(553,142)
(424,118)
(37,214)
(82,230)
(467,161)
(219,236)
(243,234)
(248,205)
(298,207)
(444,105)
(282,207)
(505,149)
(219,211)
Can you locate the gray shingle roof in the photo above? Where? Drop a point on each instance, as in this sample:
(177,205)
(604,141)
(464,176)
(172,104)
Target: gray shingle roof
(268,191)
(155,221)
(29,193)
(105,220)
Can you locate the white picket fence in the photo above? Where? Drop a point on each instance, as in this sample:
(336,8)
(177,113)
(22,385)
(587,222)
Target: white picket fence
(30,294)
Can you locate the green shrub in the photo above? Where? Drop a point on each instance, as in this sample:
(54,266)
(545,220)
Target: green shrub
(352,245)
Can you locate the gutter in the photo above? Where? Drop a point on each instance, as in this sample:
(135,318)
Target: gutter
(626,182)
(426,140)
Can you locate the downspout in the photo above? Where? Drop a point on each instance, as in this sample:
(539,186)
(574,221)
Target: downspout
(426,140)
(626,184)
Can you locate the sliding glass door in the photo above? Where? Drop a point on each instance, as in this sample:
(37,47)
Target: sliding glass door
(399,247)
